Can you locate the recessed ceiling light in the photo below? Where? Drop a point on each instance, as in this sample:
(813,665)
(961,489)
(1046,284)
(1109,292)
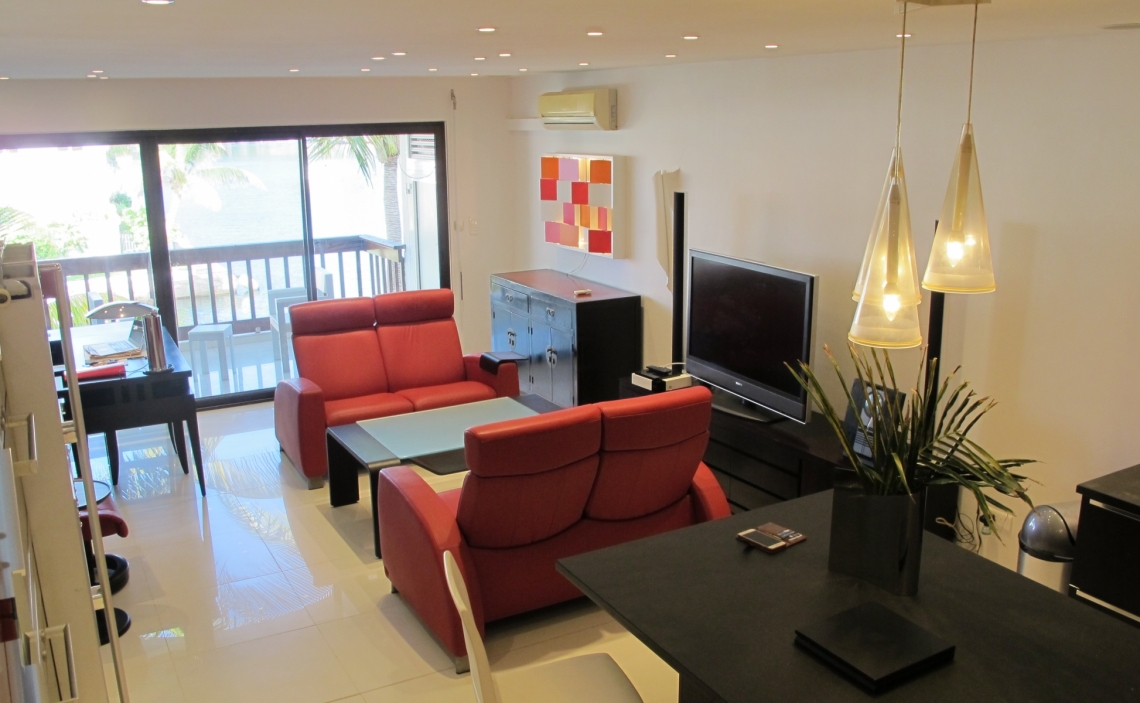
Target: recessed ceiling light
(97,70)
(366,69)
(670,56)
(378,58)
(474,74)
(771,46)
(480,58)
(102,78)
(690,37)
(92,75)
(433,69)
(900,36)
(399,53)
(584,63)
(486,30)
(523,70)
(158,2)
(3,78)
(593,34)
(294,70)
(505,56)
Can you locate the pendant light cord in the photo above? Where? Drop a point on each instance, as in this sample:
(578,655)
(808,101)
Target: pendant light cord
(973,51)
(902,69)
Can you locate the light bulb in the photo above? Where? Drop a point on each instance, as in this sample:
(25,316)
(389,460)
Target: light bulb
(970,241)
(955,250)
(891,301)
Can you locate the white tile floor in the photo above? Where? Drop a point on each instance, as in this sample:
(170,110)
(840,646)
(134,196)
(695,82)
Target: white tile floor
(261,591)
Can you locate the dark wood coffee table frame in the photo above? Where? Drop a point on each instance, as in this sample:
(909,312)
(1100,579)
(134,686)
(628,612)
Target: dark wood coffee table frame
(351,449)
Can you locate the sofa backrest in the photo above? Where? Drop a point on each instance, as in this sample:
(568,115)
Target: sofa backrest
(651,448)
(530,478)
(418,338)
(336,347)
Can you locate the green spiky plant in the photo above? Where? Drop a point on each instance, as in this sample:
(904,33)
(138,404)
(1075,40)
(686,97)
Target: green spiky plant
(922,441)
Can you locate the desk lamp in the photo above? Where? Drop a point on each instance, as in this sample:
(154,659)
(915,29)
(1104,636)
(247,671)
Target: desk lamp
(152,328)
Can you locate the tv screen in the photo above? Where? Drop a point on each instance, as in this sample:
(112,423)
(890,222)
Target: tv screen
(746,321)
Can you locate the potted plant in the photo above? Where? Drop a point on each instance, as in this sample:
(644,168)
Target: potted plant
(910,443)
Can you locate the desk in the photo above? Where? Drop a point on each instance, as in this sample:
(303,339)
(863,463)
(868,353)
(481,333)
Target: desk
(139,399)
(725,617)
(351,448)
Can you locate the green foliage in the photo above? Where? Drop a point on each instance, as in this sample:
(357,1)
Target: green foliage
(918,443)
(79,308)
(133,233)
(369,151)
(12,220)
(54,241)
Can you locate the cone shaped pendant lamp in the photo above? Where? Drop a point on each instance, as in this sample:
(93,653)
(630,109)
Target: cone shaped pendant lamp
(887,289)
(960,261)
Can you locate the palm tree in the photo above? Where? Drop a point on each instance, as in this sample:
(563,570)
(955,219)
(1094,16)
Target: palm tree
(188,170)
(369,151)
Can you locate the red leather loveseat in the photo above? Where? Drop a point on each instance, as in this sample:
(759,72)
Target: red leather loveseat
(540,489)
(360,358)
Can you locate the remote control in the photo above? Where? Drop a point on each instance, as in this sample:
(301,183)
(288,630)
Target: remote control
(789,536)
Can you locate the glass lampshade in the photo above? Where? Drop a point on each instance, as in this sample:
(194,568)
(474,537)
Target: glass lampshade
(873,273)
(960,260)
(876,325)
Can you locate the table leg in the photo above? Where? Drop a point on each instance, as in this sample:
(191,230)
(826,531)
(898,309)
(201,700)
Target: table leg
(113,455)
(693,691)
(196,445)
(344,484)
(373,483)
(178,438)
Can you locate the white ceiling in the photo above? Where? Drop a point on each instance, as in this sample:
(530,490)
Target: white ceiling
(216,38)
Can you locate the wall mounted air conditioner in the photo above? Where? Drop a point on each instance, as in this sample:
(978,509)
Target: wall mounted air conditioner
(583,109)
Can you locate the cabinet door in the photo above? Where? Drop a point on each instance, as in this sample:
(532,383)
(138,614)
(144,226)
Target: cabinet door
(562,367)
(540,351)
(511,332)
(518,334)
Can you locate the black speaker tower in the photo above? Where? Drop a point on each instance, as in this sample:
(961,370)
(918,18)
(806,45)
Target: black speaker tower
(678,281)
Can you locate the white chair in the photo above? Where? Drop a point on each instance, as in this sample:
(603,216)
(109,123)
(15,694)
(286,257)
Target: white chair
(281,325)
(199,339)
(589,678)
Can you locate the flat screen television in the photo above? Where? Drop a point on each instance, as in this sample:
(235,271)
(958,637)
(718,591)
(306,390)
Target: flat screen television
(746,321)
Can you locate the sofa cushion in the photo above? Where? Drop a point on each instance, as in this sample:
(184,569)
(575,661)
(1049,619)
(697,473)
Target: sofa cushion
(344,365)
(514,581)
(414,306)
(422,354)
(365,407)
(530,478)
(448,394)
(651,447)
(329,316)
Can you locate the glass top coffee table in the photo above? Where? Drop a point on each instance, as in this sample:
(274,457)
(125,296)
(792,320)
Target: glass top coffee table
(432,439)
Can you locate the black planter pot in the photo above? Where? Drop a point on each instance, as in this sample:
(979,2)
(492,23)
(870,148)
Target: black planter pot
(877,539)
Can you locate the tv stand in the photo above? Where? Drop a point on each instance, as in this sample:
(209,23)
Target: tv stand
(726,402)
(759,460)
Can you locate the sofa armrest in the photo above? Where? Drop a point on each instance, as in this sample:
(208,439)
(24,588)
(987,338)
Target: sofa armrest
(416,527)
(505,382)
(709,502)
(299,420)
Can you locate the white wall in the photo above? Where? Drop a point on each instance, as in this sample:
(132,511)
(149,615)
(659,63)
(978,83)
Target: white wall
(783,161)
(476,137)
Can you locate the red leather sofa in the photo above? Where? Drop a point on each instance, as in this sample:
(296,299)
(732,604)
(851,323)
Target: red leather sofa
(541,489)
(360,358)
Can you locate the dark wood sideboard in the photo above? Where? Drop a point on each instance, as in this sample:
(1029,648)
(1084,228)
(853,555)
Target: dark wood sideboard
(1106,571)
(579,347)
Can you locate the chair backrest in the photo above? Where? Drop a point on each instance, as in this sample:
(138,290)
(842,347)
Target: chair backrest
(530,478)
(336,347)
(651,448)
(485,690)
(419,338)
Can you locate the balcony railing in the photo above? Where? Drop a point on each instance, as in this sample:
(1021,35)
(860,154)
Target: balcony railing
(231,283)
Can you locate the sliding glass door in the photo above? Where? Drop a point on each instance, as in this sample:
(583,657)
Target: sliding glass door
(225,229)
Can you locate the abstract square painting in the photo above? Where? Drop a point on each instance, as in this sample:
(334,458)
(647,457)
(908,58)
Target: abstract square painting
(577,202)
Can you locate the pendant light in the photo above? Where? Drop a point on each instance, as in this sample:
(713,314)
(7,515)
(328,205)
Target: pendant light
(887,288)
(960,260)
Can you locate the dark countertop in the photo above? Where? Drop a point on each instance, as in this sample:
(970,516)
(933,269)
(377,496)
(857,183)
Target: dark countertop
(725,616)
(1120,489)
(562,285)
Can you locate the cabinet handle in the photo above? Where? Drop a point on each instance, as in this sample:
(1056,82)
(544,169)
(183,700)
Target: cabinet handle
(550,312)
(509,297)
(553,358)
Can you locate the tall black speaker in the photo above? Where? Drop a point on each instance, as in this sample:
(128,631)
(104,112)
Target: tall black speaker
(679,257)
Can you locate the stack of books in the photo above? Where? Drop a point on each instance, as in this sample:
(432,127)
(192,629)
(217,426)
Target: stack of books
(111,352)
